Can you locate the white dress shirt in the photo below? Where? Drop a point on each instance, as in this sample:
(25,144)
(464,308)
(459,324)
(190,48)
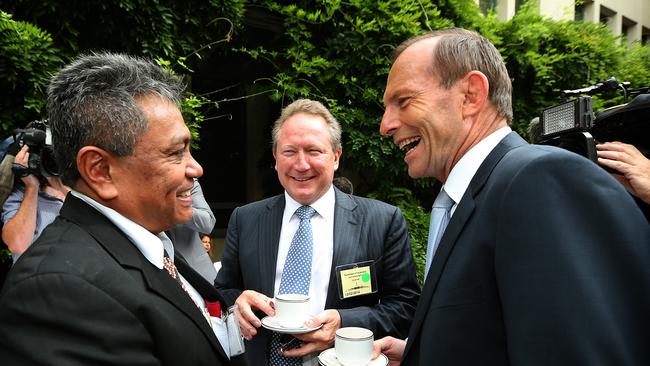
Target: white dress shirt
(463,172)
(322,225)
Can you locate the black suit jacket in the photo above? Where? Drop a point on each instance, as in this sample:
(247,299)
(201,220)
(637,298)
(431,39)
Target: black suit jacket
(84,295)
(546,261)
(364,229)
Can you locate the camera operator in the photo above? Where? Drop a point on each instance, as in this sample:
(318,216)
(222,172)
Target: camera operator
(30,207)
(633,166)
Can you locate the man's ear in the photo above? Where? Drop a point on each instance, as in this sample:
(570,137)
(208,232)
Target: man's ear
(337,158)
(275,161)
(476,89)
(95,167)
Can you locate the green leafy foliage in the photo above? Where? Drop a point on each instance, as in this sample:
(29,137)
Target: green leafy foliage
(27,58)
(183,32)
(635,66)
(166,28)
(544,57)
(416,219)
(339,53)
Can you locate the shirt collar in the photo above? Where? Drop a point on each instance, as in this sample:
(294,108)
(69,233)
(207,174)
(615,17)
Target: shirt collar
(463,172)
(152,246)
(324,206)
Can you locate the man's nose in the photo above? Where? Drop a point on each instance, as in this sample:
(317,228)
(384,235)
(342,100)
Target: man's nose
(389,123)
(302,161)
(193,168)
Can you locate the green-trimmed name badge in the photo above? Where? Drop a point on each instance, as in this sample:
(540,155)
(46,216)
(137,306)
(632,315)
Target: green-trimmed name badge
(356,279)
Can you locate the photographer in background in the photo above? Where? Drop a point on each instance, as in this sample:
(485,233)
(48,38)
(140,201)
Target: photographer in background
(31,206)
(633,166)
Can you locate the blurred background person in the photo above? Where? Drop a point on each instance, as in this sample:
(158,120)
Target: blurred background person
(32,205)
(186,237)
(633,166)
(207,242)
(344,184)
(206,239)
(630,167)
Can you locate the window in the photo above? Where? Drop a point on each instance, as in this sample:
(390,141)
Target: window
(487,6)
(606,15)
(645,36)
(579,12)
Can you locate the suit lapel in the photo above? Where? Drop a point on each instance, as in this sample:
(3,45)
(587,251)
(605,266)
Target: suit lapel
(346,241)
(115,242)
(203,287)
(460,217)
(207,291)
(269,226)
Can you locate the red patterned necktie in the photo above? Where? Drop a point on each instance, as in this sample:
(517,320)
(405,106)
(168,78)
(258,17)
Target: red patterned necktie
(169,265)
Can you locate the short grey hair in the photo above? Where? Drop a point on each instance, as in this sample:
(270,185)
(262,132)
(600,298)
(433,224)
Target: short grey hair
(460,51)
(92,101)
(312,107)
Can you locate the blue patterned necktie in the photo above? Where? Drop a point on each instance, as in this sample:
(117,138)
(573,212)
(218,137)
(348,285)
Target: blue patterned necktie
(296,276)
(437,225)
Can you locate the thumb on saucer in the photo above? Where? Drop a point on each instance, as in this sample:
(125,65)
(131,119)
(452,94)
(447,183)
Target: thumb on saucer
(328,317)
(312,322)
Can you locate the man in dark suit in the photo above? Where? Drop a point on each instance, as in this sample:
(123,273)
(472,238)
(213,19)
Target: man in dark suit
(545,259)
(99,286)
(348,231)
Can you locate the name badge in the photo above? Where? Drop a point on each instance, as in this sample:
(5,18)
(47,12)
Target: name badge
(356,279)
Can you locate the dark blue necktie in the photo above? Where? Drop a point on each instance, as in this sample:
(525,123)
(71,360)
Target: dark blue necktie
(296,276)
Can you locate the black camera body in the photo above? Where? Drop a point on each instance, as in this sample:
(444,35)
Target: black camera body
(41,161)
(573,125)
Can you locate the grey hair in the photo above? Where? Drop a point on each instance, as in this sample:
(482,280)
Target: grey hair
(312,107)
(92,101)
(460,51)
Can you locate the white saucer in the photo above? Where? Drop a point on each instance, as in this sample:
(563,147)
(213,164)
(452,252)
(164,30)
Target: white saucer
(270,323)
(328,358)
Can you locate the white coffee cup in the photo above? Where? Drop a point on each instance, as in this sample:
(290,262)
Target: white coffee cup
(353,346)
(291,310)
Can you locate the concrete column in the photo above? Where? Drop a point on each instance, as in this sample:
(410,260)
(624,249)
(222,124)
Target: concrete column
(592,12)
(505,9)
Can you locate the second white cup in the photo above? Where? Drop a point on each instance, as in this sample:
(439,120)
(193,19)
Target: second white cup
(353,346)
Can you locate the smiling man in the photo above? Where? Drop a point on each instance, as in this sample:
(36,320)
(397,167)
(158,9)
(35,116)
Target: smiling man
(545,259)
(348,236)
(100,286)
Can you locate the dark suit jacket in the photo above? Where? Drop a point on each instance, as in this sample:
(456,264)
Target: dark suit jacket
(84,295)
(364,229)
(546,261)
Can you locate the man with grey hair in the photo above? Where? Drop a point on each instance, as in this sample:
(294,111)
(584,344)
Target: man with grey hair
(102,285)
(536,255)
(347,237)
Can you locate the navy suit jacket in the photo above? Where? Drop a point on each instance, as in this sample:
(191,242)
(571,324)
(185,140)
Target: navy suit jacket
(546,261)
(83,294)
(364,229)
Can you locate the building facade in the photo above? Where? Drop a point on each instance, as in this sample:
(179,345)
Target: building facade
(629,18)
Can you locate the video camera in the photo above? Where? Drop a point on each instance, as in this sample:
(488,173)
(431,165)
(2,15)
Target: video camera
(573,125)
(41,161)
